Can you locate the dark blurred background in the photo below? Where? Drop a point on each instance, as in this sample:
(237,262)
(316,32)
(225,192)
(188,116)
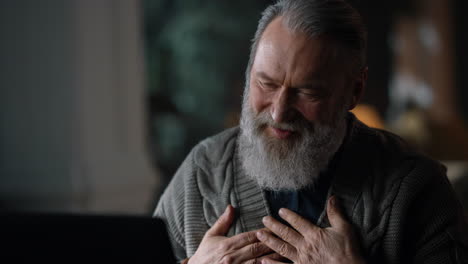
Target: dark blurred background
(101,100)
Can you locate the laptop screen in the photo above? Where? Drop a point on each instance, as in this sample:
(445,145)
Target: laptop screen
(82,238)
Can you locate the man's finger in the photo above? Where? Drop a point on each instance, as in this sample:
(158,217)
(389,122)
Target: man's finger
(279,246)
(298,222)
(284,232)
(221,226)
(273,256)
(272,261)
(334,214)
(242,240)
(250,253)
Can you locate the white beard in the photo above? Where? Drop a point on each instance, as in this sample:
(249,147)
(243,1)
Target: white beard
(292,163)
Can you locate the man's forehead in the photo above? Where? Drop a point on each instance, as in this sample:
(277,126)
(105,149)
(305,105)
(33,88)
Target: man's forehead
(280,48)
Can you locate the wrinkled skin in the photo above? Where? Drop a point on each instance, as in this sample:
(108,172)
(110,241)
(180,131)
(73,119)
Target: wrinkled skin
(306,243)
(242,248)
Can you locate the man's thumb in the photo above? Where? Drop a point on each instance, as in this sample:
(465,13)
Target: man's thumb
(335,215)
(221,226)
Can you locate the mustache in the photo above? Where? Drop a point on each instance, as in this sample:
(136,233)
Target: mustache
(298,124)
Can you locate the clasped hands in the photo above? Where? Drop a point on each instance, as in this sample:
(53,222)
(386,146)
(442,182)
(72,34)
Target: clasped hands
(277,243)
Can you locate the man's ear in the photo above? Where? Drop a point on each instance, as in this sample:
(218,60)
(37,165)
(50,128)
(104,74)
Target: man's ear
(358,87)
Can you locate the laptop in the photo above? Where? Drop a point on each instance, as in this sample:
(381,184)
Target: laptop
(81,238)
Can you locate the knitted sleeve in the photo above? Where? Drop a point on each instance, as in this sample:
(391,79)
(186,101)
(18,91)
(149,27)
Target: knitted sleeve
(427,220)
(171,207)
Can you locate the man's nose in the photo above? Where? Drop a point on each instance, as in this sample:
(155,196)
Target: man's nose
(281,108)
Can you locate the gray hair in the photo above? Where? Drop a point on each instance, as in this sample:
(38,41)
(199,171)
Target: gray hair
(334,18)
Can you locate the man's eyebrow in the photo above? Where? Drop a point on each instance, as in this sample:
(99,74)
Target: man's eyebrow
(313,84)
(265,76)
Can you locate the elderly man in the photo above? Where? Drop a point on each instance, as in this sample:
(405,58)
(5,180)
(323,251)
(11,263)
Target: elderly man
(302,180)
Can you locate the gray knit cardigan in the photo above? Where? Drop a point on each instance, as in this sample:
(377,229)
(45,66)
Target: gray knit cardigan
(400,202)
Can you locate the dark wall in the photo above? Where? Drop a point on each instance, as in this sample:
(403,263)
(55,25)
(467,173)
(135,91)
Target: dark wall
(461,45)
(379,17)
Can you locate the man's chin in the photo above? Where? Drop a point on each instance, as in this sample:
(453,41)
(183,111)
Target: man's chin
(277,149)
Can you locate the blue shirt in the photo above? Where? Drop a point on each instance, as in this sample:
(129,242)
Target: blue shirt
(308,202)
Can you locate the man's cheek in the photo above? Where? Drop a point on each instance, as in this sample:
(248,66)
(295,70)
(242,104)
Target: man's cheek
(259,101)
(316,112)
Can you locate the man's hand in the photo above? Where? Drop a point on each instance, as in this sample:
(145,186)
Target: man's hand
(307,243)
(242,248)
